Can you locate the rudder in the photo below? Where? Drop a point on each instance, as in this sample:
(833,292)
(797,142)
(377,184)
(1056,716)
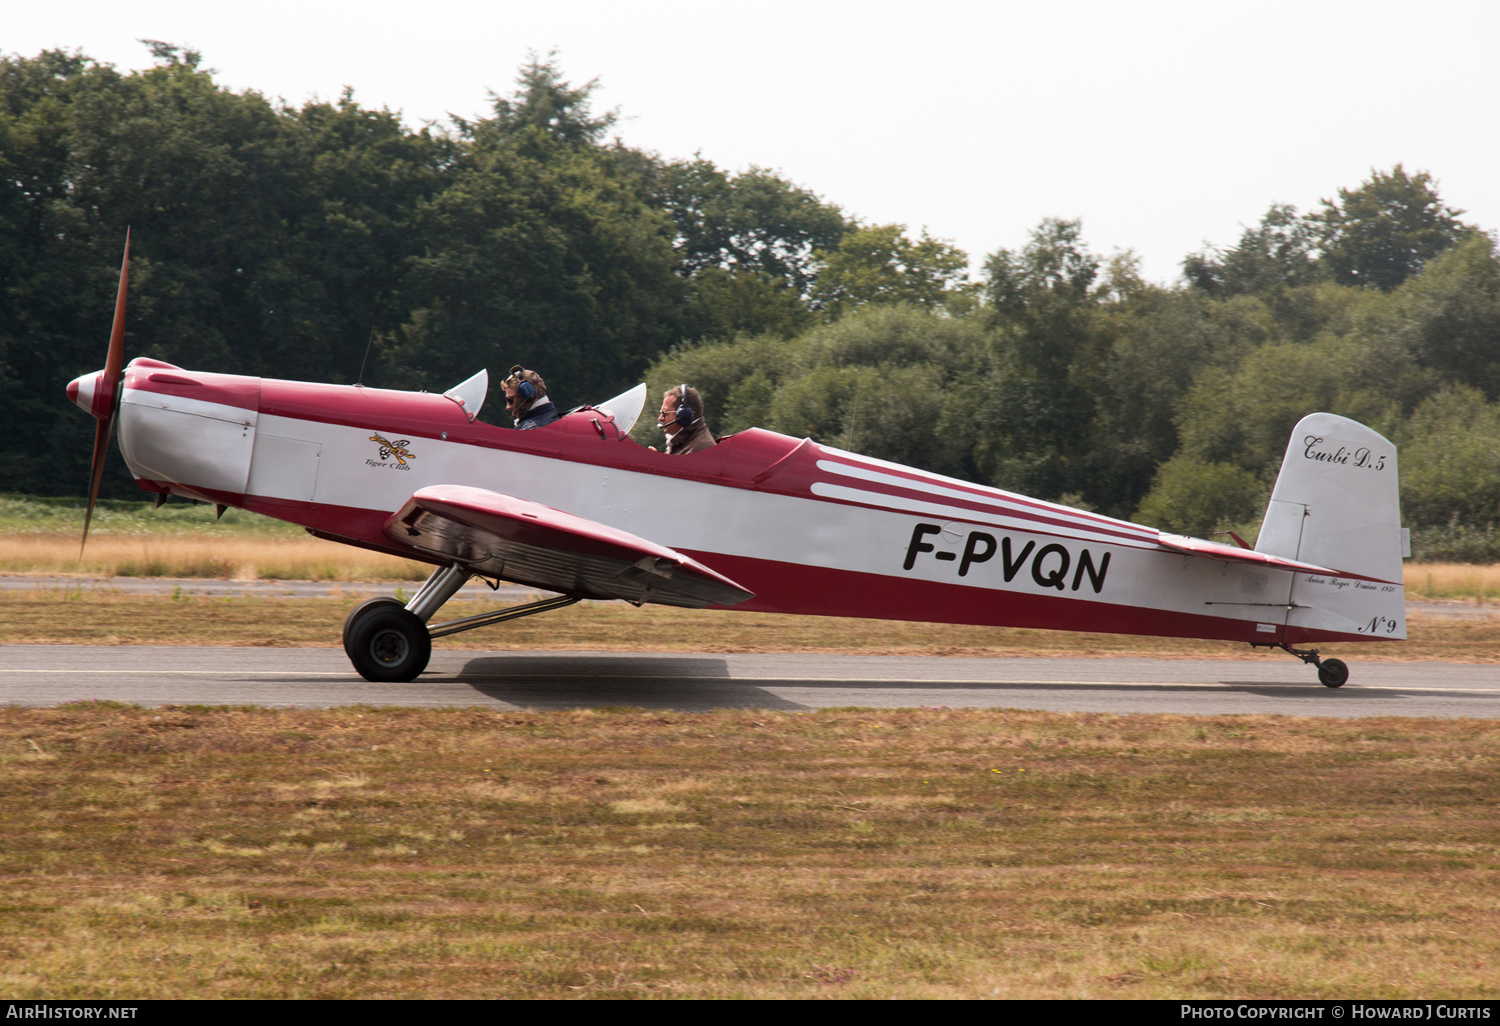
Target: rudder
(1337,504)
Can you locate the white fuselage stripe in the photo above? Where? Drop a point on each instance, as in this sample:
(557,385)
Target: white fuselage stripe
(1016,508)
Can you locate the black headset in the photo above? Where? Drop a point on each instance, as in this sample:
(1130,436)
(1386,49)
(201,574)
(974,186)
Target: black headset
(684,417)
(525,390)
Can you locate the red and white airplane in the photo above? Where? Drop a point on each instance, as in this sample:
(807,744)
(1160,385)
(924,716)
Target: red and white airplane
(759,522)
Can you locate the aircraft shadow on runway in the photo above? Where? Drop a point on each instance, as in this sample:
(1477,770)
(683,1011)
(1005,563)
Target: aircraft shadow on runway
(640,682)
(1303,689)
(654,682)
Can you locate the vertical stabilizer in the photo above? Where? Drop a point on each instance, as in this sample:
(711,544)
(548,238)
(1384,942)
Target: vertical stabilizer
(1337,504)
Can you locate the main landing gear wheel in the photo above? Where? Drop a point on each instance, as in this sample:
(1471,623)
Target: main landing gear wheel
(388,641)
(1333,673)
(359,611)
(388,644)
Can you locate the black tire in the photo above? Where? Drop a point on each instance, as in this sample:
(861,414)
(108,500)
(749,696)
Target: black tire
(359,611)
(389,644)
(1333,673)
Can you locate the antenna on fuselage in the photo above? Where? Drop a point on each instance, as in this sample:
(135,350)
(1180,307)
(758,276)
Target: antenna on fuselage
(854,416)
(366,360)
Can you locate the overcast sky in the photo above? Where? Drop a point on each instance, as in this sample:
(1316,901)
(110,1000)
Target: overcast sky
(1159,124)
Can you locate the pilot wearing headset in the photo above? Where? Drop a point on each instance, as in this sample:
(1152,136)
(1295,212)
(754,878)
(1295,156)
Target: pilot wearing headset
(526,399)
(681,418)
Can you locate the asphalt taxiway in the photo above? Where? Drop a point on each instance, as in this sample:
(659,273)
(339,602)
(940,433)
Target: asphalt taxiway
(46,675)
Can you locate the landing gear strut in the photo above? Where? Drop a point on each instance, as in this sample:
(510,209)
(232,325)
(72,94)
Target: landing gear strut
(1332,673)
(389,642)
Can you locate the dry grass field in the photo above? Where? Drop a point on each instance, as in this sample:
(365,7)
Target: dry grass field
(191,852)
(268,558)
(129,539)
(1452,581)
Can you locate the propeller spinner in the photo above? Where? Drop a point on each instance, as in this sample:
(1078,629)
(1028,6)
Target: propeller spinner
(99,394)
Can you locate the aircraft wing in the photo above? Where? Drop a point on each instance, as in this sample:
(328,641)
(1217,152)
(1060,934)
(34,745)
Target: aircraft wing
(516,540)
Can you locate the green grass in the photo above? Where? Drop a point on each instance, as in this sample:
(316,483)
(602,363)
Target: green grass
(41,514)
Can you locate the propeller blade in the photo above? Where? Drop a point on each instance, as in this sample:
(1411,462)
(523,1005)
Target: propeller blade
(102,432)
(116,358)
(111,384)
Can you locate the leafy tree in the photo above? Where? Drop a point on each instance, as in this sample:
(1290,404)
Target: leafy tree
(48,293)
(1449,315)
(1276,254)
(1380,234)
(1450,460)
(546,109)
(911,369)
(886,412)
(1245,416)
(753,222)
(1054,266)
(724,303)
(749,402)
(817,404)
(903,336)
(880,264)
(171,53)
(1159,341)
(745,244)
(1375,357)
(1188,497)
(1035,418)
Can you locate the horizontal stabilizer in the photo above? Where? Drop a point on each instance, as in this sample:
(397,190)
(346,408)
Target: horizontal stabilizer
(1233,554)
(512,539)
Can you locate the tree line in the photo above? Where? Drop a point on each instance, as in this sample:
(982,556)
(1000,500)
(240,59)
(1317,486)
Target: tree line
(293,241)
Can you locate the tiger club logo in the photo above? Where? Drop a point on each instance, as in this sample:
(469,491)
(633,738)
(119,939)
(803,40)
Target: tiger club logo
(389,449)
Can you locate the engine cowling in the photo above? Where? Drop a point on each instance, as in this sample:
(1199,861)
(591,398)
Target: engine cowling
(189,428)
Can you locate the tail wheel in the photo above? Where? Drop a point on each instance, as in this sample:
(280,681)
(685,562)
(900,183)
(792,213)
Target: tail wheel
(388,644)
(1333,673)
(359,611)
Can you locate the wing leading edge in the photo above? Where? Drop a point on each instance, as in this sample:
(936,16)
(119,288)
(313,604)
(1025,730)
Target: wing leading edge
(512,539)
